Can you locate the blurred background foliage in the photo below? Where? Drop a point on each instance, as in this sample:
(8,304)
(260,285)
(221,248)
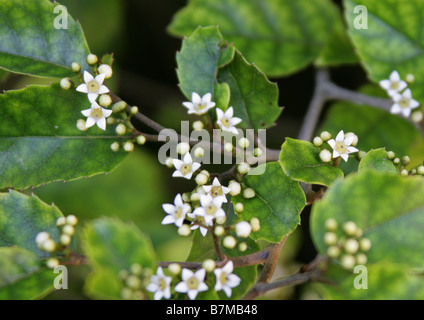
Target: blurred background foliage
(144,75)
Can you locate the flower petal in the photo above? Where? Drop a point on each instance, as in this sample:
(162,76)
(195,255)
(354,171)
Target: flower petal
(82,88)
(345,156)
(100,78)
(168,220)
(106,112)
(101,123)
(195,98)
(396,108)
(394,76)
(181,287)
(90,122)
(103,89)
(86,112)
(340,136)
(87,77)
(207,98)
(177,163)
(332,143)
(92,97)
(385,84)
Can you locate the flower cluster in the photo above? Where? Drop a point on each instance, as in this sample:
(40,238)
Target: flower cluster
(350,248)
(342,146)
(401,163)
(398,90)
(134,280)
(46,243)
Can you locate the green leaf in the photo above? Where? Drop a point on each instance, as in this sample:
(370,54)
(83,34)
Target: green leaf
(22,275)
(114,245)
(201,55)
(203,248)
(30,43)
(300,161)
(108,59)
(253,97)
(393,40)
(377,160)
(385,282)
(339,49)
(40,143)
(277,203)
(104,284)
(280,36)
(23,217)
(388,208)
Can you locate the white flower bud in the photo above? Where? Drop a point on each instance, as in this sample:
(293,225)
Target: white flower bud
(325,155)
(123,274)
(128,146)
(72,220)
(242,246)
(417,116)
(119,106)
(330,238)
(133,282)
(351,246)
(347,261)
(361,154)
(115,146)
(52,263)
(195,197)
(92,59)
(243,229)
(201,179)
(76,67)
(255,223)
(359,233)
(68,229)
(243,168)
(199,152)
(391,155)
(331,224)
(65,239)
(174,268)
(206,173)
(111,120)
(257,152)
(249,193)
(239,207)
(219,231)
(184,230)
(229,242)
(221,219)
(61,221)
(198,125)
(136,269)
(169,163)
(209,265)
(396,161)
(42,237)
(355,138)
(325,135)
(410,78)
(365,244)
(81,125)
(105,100)
(183,148)
(228,147)
(66,83)
(48,246)
(186,197)
(134,110)
(318,141)
(361,259)
(333,252)
(350,228)
(235,188)
(106,70)
(420,170)
(121,129)
(404,172)
(243,143)
(141,139)
(406,160)
(126,293)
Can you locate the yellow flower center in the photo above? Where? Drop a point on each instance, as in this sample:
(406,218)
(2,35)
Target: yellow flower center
(96,113)
(200,106)
(178,212)
(216,191)
(162,284)
(211,209)
(341,147)
(394,85)
(223,278)
(225,121)
(192,283)
(404,102)
(185,169)
(93,86)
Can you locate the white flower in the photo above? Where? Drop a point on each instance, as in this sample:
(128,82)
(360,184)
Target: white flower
(394,84)
(160,285)
(210,208)
(96,115)
(185,168)
(199,105)
(177,212)
(226,121)
(217,190)
(225,279)
(341,146)
(193,283)
(404,103)
(93,86)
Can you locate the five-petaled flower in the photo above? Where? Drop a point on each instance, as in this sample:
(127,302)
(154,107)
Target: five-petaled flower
(210,208)
(93,86)
(160,285)
(96,115)
(225,279)
(394,84)
(342,146)
(226,120)
(176,212)
(193,283)
(217,190)
(404,103)
(199,105)
(186,167)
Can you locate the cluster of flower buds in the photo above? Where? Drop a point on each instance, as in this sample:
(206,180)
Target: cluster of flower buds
(46,243)
(134,280)
(402,163)
(349,249)
(343,145)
